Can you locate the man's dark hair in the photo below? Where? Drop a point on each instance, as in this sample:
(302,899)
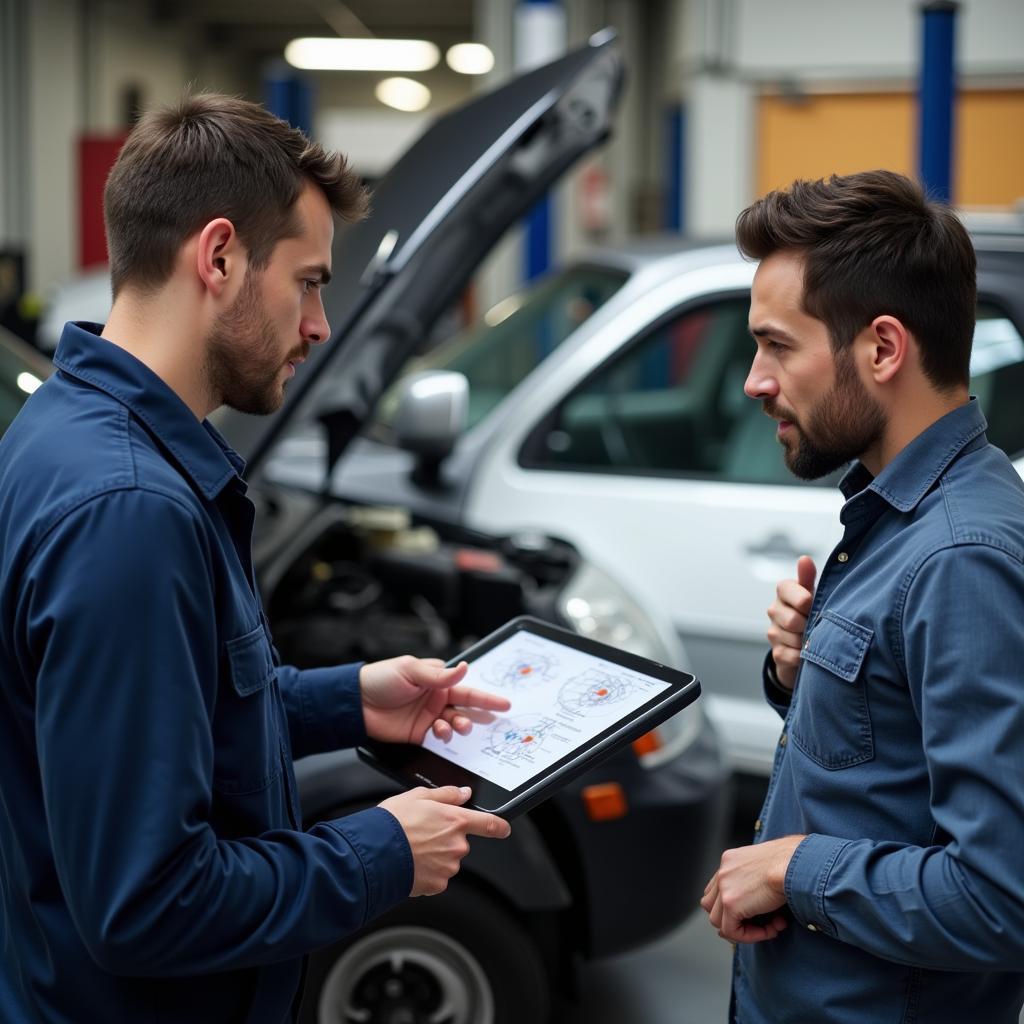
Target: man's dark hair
(213,156)
(873,244)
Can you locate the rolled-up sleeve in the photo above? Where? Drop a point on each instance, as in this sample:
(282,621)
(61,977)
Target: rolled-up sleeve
(957,904)
(120,632)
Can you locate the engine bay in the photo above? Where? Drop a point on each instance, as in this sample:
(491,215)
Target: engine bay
(370,584)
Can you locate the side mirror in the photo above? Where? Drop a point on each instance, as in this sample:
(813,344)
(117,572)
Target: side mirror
(432,412)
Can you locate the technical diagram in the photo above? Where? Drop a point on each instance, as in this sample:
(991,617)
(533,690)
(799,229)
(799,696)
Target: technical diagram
(516,738)
(522,669)
(594,693)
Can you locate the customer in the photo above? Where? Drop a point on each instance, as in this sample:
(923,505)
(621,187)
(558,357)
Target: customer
(154,866)
(886,880)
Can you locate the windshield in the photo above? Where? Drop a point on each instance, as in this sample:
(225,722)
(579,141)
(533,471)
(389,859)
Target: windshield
(511,339)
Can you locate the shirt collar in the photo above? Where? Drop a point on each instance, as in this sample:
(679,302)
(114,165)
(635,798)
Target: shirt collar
(914,471)
(203,455)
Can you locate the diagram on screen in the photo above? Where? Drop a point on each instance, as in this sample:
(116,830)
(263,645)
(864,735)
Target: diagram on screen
(522,669)
(594,693)
(513,739)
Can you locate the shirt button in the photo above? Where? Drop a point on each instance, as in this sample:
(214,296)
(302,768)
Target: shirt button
(757,825)
(842,557)
(812,928)
(807,644)
(782,740)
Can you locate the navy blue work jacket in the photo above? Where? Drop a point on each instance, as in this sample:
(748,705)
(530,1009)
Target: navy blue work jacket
(902,757)
(153,865)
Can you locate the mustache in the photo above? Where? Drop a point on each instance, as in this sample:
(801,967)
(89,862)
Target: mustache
(300,353)
(772,409)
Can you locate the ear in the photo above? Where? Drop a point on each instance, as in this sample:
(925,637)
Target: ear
(889,347)
(221,259)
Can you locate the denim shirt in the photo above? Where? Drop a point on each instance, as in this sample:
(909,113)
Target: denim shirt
(152,862)
(902,755)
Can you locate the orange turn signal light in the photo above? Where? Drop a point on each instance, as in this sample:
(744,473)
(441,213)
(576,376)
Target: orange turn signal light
(647,744)
(605,802)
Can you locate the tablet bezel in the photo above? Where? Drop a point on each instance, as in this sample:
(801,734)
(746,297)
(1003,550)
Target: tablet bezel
(414,765)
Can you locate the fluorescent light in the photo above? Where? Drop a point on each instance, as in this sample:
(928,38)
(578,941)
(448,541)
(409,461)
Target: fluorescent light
(313,54)
(470,58)
(402,94)
(28,382)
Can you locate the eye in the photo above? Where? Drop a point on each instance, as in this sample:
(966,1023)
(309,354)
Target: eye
(309,285)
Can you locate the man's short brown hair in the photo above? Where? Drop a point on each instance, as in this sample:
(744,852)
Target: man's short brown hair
(873,244)
(213,156)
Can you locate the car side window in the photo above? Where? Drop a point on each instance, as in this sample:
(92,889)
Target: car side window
(997,376)
(16,384)
(673,403)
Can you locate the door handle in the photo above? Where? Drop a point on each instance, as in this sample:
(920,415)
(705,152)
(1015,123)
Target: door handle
(776,546)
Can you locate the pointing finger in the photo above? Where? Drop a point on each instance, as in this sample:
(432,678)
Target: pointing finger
(471,697)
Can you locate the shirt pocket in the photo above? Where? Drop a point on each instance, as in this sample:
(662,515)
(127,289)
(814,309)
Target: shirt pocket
(831,721)
(246,730)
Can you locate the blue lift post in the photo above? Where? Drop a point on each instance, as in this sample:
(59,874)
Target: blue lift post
(288,95)
(935,140)
(539,221)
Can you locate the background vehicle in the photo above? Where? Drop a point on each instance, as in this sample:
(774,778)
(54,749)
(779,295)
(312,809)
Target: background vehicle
(22,370)
(349,580)
(606,406)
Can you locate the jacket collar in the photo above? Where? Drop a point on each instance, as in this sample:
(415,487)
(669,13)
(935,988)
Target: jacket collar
(202,454)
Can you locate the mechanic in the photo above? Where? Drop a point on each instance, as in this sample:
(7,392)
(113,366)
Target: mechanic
(154,865)
(885,879)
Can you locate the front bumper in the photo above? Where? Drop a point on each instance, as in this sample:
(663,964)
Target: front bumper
(641,875)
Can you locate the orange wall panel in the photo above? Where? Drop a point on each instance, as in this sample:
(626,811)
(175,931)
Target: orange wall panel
(988,163)
(820,134)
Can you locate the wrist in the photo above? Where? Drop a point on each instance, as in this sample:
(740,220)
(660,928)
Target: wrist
(780,865)
(771,671)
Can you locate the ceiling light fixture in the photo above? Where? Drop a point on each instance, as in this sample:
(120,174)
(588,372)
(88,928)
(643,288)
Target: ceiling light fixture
(470,58)
(314,54)
(402,94)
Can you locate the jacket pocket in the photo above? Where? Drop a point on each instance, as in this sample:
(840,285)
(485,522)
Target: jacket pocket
(247,738)
(831,722)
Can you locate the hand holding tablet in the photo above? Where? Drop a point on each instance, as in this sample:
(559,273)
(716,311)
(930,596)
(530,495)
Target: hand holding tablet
(573,700)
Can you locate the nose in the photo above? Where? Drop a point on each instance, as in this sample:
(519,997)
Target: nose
(760,383)
(314,327)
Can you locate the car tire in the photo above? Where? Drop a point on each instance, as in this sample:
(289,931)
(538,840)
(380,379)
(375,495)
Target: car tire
(456,958)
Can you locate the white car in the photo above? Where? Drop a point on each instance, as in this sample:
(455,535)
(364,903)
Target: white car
(606,406)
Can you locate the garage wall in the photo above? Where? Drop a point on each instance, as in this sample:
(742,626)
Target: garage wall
(810,87)
(800,136)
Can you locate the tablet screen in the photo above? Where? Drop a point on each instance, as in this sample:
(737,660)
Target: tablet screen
(561,698)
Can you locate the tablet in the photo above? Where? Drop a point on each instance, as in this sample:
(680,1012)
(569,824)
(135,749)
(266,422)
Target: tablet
(574,701)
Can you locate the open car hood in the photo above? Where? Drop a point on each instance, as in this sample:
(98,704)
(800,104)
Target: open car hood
(435,215)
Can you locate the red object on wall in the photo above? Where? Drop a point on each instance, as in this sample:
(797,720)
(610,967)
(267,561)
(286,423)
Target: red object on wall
(96,155)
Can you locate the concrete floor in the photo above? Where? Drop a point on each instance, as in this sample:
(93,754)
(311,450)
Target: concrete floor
(682,979)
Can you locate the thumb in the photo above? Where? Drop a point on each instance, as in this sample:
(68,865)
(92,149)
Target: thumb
(448,794)
(806,572)
(431,674)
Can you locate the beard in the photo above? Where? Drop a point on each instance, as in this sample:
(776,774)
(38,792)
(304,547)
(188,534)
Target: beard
(843,424)
(243,355)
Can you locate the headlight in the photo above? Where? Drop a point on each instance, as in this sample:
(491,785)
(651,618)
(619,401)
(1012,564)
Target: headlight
(596,606)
